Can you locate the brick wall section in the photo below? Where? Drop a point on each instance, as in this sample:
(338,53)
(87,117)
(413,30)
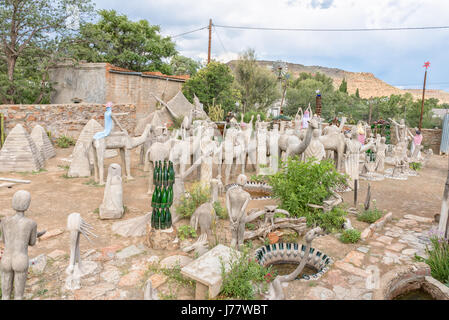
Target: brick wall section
(431,138)
(64,119)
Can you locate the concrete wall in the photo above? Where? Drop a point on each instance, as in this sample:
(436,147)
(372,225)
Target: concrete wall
(64,119)
(102,82)
(86,81)
(137,89)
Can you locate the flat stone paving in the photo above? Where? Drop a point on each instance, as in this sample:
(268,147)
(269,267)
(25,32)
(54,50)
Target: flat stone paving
(355,277)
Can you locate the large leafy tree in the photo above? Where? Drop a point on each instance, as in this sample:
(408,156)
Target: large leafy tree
(136,46)
(181,65)
(257,85)
(212,85)
(29,32)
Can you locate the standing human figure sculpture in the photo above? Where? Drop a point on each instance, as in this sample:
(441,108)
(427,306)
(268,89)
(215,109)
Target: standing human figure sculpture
(237,200)
(381,149)
(353,150)
(17,233)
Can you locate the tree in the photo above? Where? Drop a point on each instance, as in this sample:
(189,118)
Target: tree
(29,32)
(212,85)
(181,65)
(343,86)
(257,85)
(136,46)
(357,94)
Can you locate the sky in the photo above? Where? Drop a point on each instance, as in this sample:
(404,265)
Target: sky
(396,57)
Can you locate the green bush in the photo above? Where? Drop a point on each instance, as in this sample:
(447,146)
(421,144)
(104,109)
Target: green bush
(438,260)
(221,212)
(198,194)
(370,216)
(299,183)
(186,231)
(331,221)
(416,166)
(244,272)
(248,114)
(65,142)
(350,236)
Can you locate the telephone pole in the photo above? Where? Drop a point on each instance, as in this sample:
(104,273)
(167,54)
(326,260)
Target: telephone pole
(426,65)
(210,40)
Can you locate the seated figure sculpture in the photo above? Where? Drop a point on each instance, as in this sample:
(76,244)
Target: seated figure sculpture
(17,233)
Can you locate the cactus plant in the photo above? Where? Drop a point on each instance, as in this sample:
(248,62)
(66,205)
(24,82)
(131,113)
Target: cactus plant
(216,113)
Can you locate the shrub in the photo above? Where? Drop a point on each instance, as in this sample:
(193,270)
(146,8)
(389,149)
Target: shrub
(244,273)
(186,231)
(298,183)
(370,216)
(350,236)
(221,212)
(416,166)
(438,260)
(65,142)
(198,194)
(331,221)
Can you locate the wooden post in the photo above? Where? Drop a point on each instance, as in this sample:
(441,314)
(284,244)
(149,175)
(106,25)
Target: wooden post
(422,104)
(210,40)
(356,186)
(426,65)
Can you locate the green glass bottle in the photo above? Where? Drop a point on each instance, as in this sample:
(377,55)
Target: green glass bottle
(167,218)
(154,197)
(171,174)
(163,218)
(170,196)
(158,219)
(155,173)
(160,173)
(165,173)
(164,197)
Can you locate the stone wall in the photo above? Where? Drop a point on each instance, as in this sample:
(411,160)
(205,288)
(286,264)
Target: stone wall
(64,119)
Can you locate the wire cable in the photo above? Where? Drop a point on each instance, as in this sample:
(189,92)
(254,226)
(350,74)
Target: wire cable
(218,36)
(330,30)
(184,33)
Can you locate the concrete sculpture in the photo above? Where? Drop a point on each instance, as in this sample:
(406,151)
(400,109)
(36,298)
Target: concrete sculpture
(17,233)
(237,200)
(76,226)
(112,206)
(116,140)
(43,143)
(19,152)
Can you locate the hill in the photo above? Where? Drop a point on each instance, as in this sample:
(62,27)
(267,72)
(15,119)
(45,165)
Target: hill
(367,83)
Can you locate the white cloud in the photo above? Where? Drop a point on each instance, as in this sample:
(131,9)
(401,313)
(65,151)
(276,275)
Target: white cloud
(395,56)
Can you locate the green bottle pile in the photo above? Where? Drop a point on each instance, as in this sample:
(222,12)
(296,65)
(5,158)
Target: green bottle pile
(163,178)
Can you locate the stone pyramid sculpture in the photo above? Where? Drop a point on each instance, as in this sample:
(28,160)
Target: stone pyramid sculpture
(82,152)
(20,153)
(42,142)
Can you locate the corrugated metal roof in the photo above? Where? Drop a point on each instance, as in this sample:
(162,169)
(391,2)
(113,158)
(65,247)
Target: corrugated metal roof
(444,146)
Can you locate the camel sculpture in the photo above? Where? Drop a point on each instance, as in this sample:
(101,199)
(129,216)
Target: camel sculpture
(333,139)
(299,148)
(116,140)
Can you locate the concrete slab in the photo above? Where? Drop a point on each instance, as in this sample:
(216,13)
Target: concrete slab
(206,270)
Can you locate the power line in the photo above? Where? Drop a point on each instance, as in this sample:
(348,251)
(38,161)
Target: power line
(331,30)
(184,33)
(218,36)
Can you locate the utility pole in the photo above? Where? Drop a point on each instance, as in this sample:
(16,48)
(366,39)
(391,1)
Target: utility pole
(210,40)
(426,65)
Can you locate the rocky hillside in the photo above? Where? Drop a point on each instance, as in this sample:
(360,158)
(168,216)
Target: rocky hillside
(367,83)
